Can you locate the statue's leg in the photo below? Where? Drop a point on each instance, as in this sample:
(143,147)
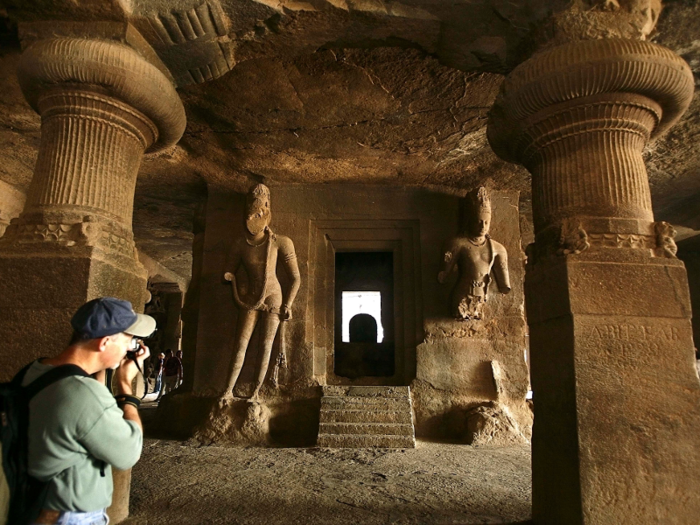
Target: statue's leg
(270,322)
(244,329)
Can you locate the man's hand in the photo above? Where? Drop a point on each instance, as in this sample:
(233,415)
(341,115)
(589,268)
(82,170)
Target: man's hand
(127,370)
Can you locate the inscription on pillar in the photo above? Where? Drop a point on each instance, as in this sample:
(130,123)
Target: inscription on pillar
(629,341)
(633,332)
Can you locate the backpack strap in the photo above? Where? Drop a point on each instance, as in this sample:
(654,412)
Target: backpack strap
(53,375)
(19,377)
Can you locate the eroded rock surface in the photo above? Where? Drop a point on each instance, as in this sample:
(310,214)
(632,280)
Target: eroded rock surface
(492,424)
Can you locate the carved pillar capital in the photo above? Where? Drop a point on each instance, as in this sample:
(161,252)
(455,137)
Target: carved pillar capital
(578,116)
(597,19)
(102,106)
(107,68)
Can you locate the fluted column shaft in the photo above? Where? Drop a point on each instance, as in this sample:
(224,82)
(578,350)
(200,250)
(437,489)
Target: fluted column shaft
(102,106)
(586,159)
(578,117)
(90,153)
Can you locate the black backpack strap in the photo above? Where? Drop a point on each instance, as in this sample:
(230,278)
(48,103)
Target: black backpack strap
(19,377)
(53,375)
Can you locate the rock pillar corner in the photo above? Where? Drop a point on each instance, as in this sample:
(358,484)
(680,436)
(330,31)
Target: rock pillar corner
(616,396)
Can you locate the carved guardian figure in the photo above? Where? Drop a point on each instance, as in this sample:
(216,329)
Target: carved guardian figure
(258,252)
(475,255)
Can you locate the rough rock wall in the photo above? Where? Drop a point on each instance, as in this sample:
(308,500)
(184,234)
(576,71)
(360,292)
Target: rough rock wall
(689,253)
(11,204)
(452,365)
(217,313)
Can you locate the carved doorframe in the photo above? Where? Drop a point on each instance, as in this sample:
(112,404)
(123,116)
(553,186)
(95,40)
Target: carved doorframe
(402,237)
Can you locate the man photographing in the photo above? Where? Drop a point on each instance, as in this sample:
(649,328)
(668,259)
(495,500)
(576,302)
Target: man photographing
(77,431)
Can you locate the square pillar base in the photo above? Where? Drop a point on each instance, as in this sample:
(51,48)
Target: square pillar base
(40,291)
(616,394)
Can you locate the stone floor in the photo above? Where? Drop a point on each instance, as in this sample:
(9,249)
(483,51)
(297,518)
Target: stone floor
(436,483)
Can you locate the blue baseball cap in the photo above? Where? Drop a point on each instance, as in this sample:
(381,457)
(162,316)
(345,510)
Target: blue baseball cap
(108,316)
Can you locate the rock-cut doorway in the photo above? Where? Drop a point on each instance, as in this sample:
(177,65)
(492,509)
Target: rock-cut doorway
(365,339)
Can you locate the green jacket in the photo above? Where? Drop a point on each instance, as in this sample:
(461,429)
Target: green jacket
(76,431)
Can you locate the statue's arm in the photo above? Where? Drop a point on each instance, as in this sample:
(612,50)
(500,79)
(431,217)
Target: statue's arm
(291,266)
(449,259)
(233,261)
(500,267)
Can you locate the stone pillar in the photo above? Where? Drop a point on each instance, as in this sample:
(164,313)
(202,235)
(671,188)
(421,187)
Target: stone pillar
(616,396)
(102,106)
(190,309)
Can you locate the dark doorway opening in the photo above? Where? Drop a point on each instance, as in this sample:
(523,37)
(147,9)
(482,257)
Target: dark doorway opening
(364,320)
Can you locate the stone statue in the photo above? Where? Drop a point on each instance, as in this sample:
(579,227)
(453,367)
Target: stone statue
(665,242)
(258,250)
(475,255)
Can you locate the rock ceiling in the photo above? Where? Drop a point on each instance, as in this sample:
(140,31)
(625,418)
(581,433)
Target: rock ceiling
(336,91)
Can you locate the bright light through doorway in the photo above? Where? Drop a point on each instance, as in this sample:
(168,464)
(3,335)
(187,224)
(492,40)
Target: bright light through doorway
(362,303)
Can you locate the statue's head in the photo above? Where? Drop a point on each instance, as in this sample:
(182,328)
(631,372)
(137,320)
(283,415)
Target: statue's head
(257,215)
(479,212)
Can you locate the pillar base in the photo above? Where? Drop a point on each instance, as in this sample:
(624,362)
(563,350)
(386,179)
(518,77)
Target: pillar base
(180,412)
(616,395)
(118,511)
(41,288)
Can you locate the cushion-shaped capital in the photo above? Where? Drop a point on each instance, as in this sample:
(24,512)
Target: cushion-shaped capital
(112,68)
(583,69)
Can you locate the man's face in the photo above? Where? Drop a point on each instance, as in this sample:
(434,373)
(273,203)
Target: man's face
(116,347)
(480,224)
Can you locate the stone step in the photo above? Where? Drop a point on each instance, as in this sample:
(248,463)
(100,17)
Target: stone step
(385,429)
(367,391)
(365,403)
(366,416)
(365,441)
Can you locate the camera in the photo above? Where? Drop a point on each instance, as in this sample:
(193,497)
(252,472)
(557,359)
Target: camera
(136,346)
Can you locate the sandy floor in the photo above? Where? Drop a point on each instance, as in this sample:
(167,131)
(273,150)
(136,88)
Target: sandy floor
(177,483)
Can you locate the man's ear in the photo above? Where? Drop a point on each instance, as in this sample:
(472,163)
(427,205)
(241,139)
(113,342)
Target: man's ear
(102,342)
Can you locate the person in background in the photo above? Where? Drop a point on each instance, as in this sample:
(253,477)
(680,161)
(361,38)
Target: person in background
(148,370)
(158,373)
(182,368)
(172,373)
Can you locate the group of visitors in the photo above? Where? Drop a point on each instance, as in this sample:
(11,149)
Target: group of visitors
(166,373)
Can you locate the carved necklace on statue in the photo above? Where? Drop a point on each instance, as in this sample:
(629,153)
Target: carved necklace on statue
(478,245)
(261,243)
